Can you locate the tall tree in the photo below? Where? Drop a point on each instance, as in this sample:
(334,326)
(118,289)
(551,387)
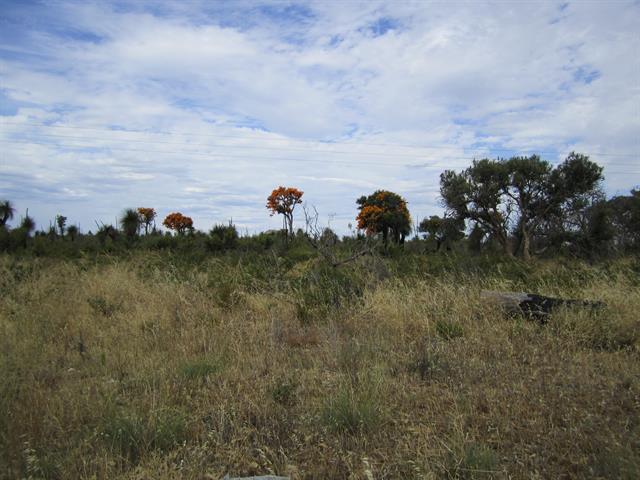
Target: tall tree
(477,194)
(625,217)
(519,195)
(444,231)
(283,201)
(385,213)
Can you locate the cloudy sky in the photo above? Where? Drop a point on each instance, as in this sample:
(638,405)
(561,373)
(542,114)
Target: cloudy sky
(204,107)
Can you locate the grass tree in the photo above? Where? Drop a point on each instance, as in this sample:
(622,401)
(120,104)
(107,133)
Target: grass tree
(130,223)
(61,222)
(28,224)
(72,232)
(7,211)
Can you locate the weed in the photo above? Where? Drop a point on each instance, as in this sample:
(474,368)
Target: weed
(354,409)
(102,306)
(472,461)
(449,330)
(428,362)
(284,392)
(199,369)
(133,434)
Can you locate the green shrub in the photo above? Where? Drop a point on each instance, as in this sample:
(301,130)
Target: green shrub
(356,406)
(284,392)
(352,410)
(222,237)
(427,362)
(472,461)
(133,434)
(199,369)
(449,330)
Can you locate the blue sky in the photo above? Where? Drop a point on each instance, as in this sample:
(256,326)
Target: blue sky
(205,107)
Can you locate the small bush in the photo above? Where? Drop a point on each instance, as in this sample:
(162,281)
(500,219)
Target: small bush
(134,435)
(354,409)
(103,306)
(449,330)
(222,237)
(284,392)
(200,369)
(472,461)
(427,363)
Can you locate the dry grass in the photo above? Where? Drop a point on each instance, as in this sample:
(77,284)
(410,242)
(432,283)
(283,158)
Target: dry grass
(124,371)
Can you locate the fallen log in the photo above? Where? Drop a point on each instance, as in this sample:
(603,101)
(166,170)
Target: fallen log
(531,305)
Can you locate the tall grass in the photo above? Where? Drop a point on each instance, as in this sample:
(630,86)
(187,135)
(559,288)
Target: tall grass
(146,367)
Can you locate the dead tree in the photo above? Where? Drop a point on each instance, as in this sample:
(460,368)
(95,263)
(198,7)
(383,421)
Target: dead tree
(325,243)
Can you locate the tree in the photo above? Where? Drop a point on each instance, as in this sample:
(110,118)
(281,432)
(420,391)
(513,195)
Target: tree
(519,195)
(477,194)
(178,222)
(7,211)
(625,217)
(130,223)
(283,201)
(147,217)
(385,213)
(61,222)
(444,231)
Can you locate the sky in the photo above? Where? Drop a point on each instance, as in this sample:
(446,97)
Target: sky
(204,107)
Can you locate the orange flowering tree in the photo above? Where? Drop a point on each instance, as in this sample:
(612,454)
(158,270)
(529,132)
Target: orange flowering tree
(283,201)
(178,222)
(147,217)
(384,213)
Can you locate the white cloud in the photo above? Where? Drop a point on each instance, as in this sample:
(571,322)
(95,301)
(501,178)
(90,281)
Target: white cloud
(199,83)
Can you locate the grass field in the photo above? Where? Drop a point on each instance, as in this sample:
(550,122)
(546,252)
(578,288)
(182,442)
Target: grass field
(143,367)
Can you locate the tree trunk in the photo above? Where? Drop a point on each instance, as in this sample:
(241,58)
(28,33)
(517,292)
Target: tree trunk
(290,220)
(503,238)
(526,253)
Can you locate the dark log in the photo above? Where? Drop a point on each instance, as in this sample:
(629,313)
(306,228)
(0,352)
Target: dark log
(536,307)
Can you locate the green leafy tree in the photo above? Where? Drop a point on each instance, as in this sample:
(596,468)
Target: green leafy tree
(384,213)
(477,194)
(624,211)
(444,231)
(520,195)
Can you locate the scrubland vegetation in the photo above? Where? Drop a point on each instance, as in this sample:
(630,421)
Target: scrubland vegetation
(299,353)
(177,362)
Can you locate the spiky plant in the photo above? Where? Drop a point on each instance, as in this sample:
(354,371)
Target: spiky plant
(106,231)
(7,211)
(28,224)
(130,223)
(72,231)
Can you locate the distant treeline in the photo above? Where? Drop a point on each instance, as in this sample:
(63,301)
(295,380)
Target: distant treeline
(519,206)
